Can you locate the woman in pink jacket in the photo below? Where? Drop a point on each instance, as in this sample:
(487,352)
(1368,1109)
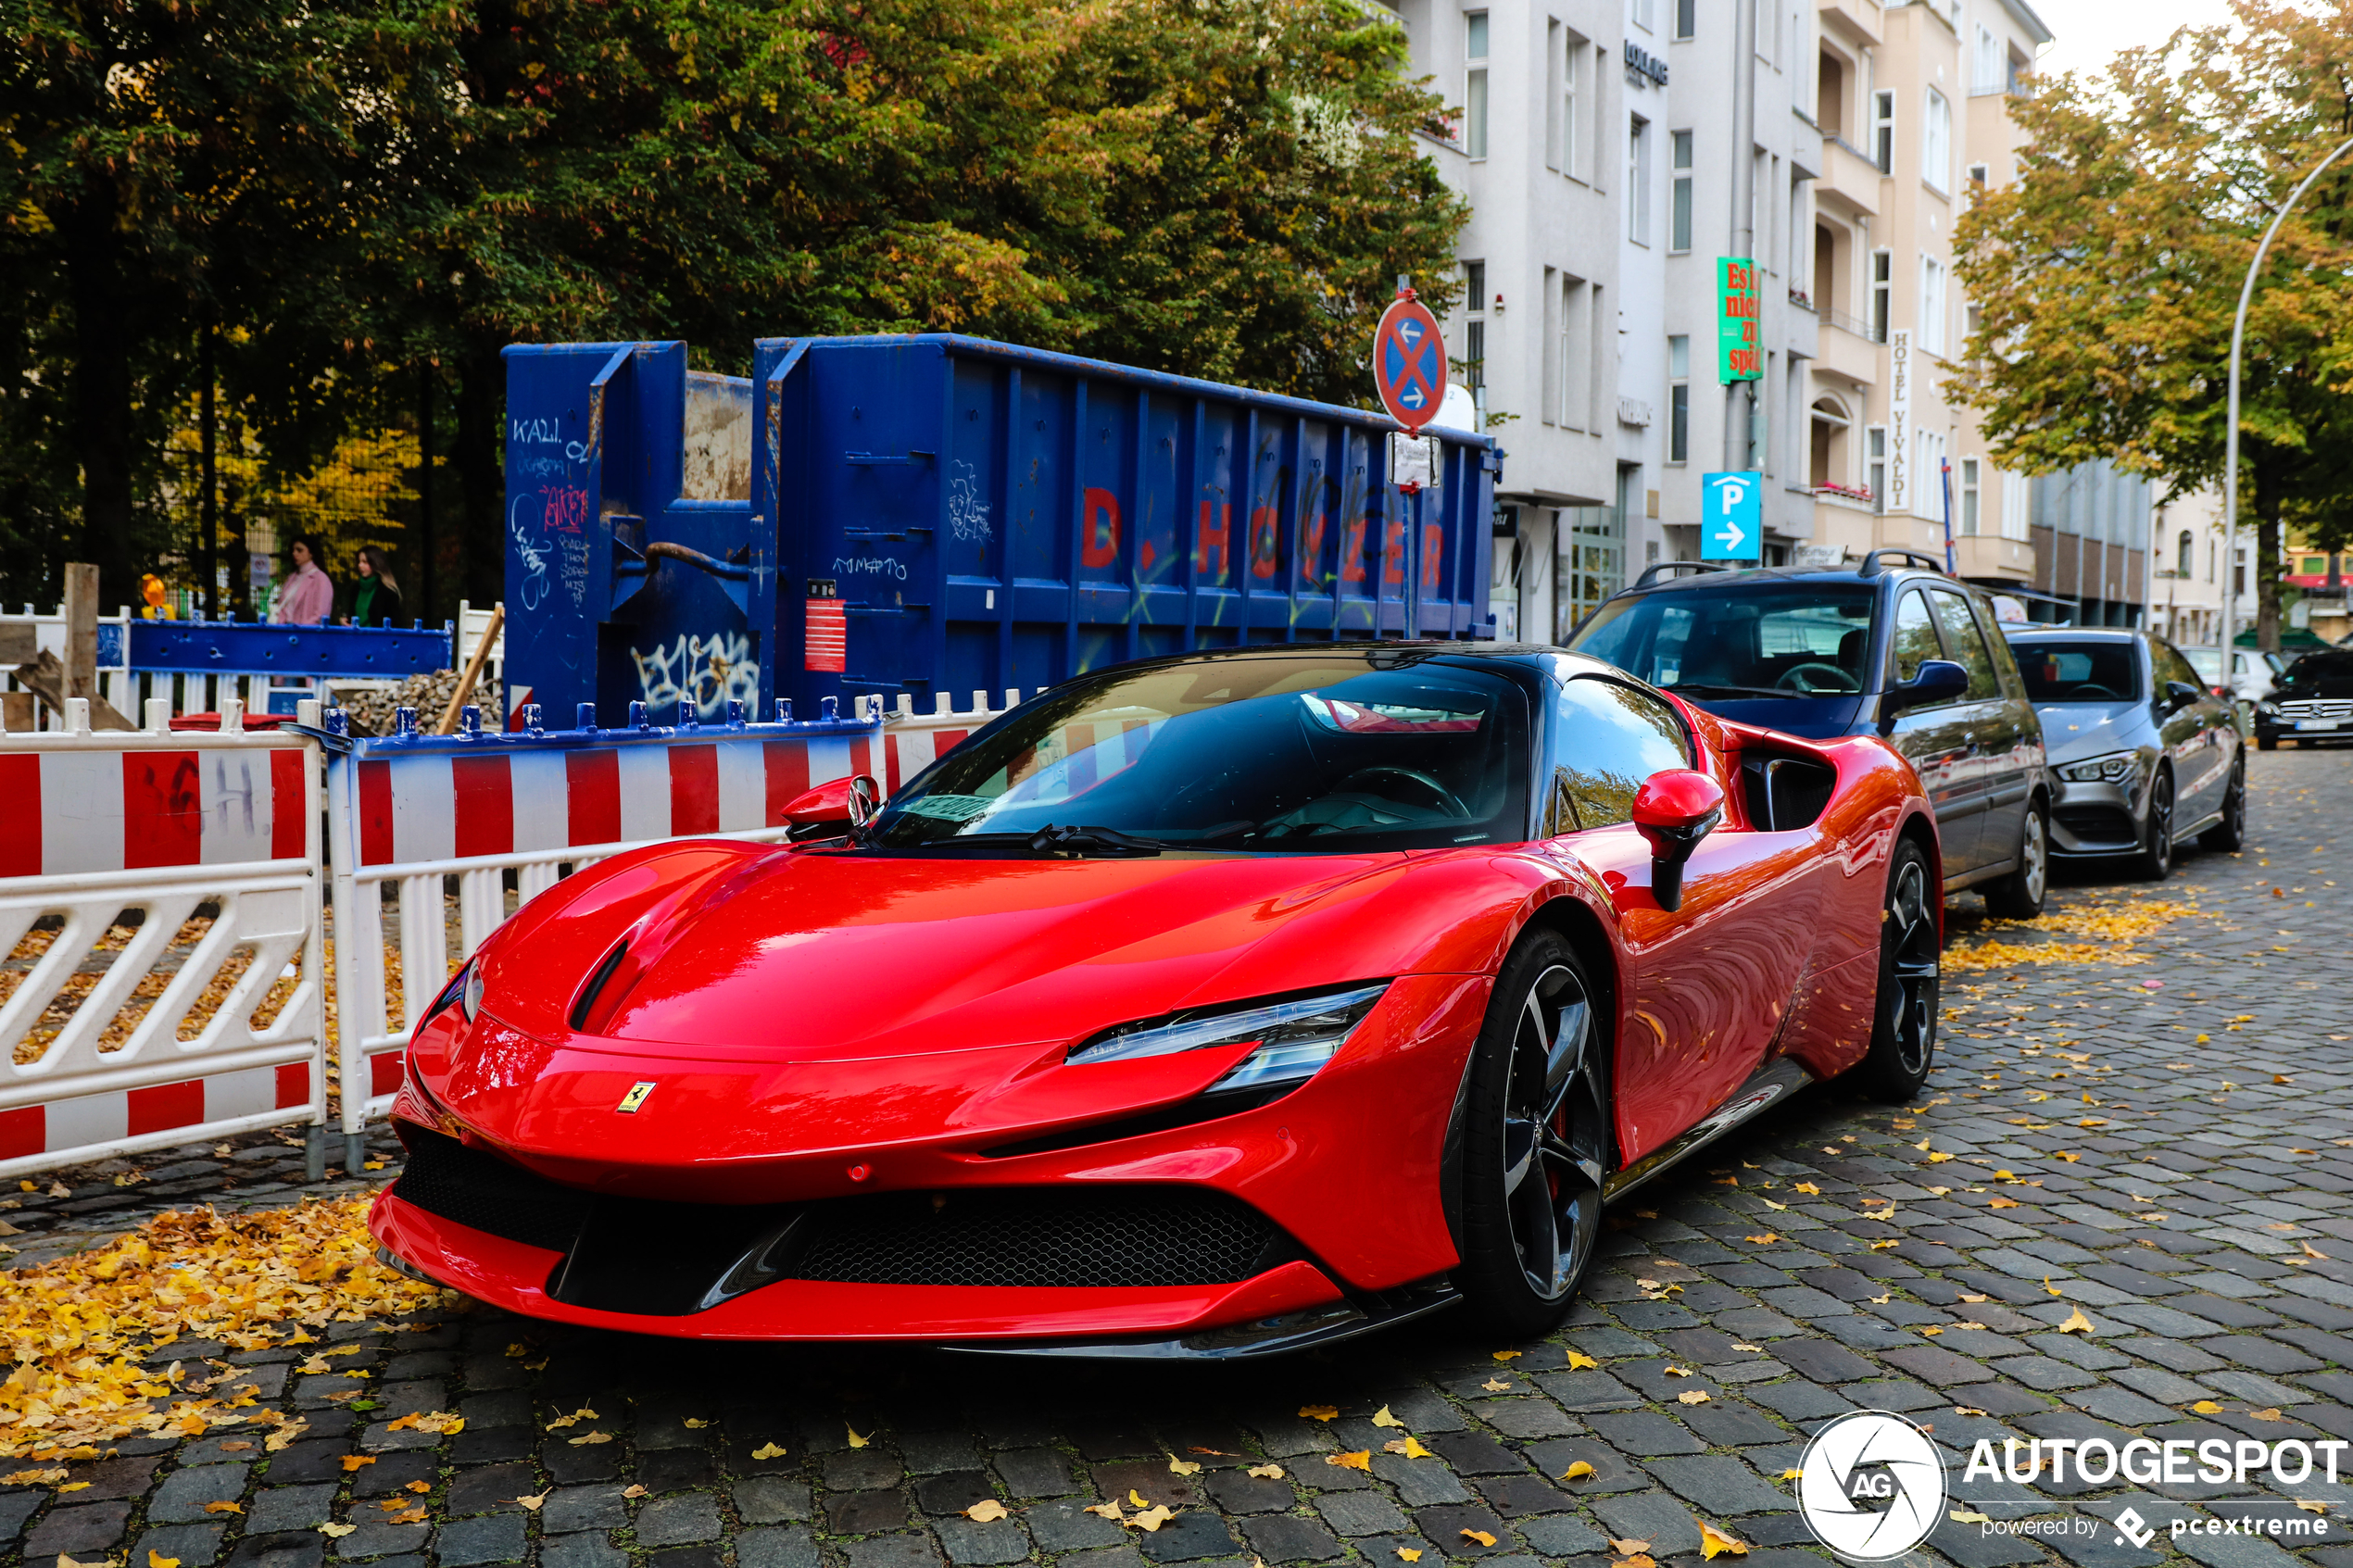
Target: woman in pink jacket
(309,594)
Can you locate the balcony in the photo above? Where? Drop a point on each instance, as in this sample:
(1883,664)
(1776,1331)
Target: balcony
(1850,181)
(1982,556)
(1849,348)
(1859,20)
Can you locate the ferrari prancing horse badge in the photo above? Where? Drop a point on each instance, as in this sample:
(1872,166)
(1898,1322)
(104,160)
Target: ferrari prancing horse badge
(635,1097)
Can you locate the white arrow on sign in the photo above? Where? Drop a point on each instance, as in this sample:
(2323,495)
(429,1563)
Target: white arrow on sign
(1731,493)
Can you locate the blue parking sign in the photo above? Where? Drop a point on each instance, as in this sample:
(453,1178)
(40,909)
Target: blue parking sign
(1731,516)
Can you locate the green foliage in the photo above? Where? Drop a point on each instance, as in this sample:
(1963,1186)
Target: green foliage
(2108,275)
(1224,188)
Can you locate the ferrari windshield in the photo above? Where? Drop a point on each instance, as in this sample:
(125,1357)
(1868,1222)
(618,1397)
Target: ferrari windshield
(1317,752)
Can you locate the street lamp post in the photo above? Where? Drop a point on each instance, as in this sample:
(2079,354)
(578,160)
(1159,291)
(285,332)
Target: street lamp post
(2230,436)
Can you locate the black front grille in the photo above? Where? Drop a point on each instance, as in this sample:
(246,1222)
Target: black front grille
(642,1256)
(2097,824)
(1037,1236)
(484,1193)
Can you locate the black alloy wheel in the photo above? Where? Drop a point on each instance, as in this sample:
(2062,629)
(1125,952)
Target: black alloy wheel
(1904,1018)
(2156,859)
(1536,1139)
(2229,835)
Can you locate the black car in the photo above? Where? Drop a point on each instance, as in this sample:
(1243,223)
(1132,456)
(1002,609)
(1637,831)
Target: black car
(2313,702)
(1893,647)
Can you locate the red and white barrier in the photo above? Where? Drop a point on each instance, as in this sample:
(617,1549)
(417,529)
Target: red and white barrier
(162,823)
(409,813)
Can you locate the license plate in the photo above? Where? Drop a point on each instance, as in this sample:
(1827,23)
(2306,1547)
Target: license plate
(2318,723)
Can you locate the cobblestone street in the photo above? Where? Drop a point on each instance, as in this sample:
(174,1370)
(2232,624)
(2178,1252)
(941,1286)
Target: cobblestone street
(2160,1147)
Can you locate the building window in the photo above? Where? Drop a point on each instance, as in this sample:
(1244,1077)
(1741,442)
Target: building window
(1572,64)
(1686,19)
(2016,498)
(1638,181)
(1936,142)
(1977,172)
(1969,498)
(1931,324)
(1682,237)
(1474,325)
(1928,462)
(1992,65)
(1875,449)
(1884,132)
(1644,15)
(2182,549)
(1679,399)
(1883,292)
(1475,85)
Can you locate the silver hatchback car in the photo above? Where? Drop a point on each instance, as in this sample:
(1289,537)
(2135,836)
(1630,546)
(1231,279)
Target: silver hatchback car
(2142,753)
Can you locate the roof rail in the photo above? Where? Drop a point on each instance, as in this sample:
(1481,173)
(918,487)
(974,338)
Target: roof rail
(1918,558)
(1651,573)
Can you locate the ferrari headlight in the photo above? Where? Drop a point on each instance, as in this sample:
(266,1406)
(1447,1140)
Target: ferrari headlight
(2114,767)
(1295,1037)
(464,990)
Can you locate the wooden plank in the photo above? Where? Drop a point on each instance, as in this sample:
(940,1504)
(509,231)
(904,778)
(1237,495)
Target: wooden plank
(20,643)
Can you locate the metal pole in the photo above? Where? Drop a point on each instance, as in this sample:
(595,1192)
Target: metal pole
(2230,435)
(207,595)
(1738,417)
(1945,481)
(423,611)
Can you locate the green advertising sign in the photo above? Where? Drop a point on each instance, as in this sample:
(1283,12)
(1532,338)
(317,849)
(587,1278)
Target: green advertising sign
(1740,350)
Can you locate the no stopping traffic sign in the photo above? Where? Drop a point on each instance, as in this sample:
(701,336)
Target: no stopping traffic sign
(1409,361)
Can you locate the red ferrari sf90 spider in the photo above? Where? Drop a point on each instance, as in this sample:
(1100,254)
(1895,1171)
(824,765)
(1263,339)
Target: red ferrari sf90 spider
(1212,1005)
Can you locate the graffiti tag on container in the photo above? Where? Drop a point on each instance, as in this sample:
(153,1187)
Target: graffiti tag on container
(878,566)
(704,671)
(563,508)
(967,513)
(532,591)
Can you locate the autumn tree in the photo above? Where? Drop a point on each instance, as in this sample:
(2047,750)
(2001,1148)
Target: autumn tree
(2108,275)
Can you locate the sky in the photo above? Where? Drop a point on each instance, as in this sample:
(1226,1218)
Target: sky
(2089,32)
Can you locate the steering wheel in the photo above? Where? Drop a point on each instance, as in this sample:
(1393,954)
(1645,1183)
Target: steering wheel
(1442,797)
(2095,690)
(1807,679)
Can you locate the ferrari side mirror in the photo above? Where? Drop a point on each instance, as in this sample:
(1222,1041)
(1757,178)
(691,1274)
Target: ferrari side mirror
(1673,812)
(1937,680)
(834,807)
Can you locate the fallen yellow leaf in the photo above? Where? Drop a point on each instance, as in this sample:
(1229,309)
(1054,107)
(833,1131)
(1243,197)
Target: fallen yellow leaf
(1673,1371)
(158,1559)
(2001,1203)
(1361,1459)
(2308,1506)
(1409,1554)
(74,1487)
(1578,1361)
(855,1440)
(1939,1158)
(1155,1517)
(694,1421)
(1640,1560)
(1265,1472)
(1789,1475)
(1695,1397)
(533,1501)
(1578,1471)
(419,1487)
(985,1511)
(1808,1188)
(1765,1239)
(1713,1542)
(633,1490)
(1968,1516)
(1629,1548)
(1507,1355)
(1409,1446)
(352,1461)
(224,1508)
(1382,1418)
(1319,1412)
(1480,1537)
(592,1437)
(337,1530)
(1182,1466)
(1108,1510)
(769,1450)
(2207,1407)
(2268,1413)
(2076,1323)
(1884,1246)
(1496,1385)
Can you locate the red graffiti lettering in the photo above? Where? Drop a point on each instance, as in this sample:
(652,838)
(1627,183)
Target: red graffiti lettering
(1393,557)
(1352,550)
(1213,539)
(1265,548)
(1098,546)
(563,509)
(1433,554)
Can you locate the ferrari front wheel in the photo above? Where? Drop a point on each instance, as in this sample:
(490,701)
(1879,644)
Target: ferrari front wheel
(1904,1021)
(1536,1139)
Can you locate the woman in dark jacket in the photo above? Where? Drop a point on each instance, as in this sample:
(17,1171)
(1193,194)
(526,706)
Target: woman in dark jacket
(374,596)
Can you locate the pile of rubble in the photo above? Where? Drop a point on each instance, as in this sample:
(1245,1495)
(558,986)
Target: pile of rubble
(371,708)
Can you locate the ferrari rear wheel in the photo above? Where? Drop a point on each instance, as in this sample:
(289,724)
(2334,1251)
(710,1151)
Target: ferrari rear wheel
(1536,1140)
(1904,1021)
